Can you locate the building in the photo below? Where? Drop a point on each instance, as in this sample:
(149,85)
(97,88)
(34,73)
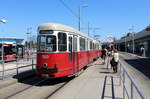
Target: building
(133,42)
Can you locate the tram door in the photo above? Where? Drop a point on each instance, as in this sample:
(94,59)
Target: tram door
(73,52)
(70,48)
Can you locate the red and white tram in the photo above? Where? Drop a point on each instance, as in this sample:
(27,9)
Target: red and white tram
(63,51)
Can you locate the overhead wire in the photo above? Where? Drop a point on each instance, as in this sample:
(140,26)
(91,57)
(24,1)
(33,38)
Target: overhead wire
(67,7)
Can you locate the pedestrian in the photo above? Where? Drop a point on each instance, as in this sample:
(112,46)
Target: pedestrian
(114,61)
(103,54)
(142,51)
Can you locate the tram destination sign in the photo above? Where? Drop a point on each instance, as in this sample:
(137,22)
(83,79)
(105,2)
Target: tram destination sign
(46,32)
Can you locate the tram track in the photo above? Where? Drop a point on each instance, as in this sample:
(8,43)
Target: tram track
(40,89)
(24,89)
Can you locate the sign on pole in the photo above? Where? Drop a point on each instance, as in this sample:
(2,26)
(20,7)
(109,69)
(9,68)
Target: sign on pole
(110,39)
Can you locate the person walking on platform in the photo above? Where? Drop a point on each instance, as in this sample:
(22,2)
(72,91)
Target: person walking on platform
(114,61)
(103,55)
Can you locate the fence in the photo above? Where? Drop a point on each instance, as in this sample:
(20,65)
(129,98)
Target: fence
(126,78)
(15,67)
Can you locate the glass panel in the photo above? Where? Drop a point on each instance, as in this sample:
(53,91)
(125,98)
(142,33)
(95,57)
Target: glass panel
(74,44)
(51,43)
(70,44)
(62,41)
(47,43)
(82,44)
(90,45)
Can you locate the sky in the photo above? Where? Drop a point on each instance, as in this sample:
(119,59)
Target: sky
(110,17)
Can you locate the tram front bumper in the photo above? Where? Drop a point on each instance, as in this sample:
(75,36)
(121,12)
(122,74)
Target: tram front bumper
(47,70)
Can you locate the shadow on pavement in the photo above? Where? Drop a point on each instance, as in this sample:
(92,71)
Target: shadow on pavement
(107,72)
(30,78)
(141,64)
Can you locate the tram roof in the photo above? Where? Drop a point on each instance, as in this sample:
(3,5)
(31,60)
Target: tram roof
(60,27)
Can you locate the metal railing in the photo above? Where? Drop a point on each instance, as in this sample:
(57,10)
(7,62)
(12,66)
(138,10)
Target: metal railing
(130,93)
(17,66)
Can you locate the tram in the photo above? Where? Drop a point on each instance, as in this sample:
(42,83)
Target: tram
(11,51)
(63,51)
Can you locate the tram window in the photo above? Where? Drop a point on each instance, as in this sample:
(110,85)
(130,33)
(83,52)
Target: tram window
(87,48)
(70,44)
(90,45)
(43,39)
(74,44)
(47,43)
(82,44)
(51,43)
(62,41)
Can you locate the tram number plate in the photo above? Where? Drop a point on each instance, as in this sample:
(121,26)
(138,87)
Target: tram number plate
(44,75)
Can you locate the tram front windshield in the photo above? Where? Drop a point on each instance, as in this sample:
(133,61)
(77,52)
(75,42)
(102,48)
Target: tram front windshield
(46,43)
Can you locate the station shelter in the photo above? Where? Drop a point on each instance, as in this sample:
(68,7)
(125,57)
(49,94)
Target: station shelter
(133,42)
(11,48)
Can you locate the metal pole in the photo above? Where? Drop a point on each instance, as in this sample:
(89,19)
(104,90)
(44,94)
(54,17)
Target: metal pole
(3,73)
(2,51)
(133,42)
(88,29)
(79,18)
(131,89)
(32,64)
(3,66)
(17,67)
(123,84)
(125,45)
(120,73)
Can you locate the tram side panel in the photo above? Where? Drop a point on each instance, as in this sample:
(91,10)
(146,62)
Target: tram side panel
(82,59)
(54,64)
(75,63)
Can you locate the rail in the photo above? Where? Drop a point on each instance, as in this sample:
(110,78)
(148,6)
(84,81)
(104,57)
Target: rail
(16,67)
(133,85)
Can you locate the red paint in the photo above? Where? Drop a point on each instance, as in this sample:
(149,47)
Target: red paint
(62,62)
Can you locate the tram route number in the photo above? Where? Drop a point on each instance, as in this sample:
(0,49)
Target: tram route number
(45,56)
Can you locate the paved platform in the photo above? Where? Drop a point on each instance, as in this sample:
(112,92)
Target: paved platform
(96,82)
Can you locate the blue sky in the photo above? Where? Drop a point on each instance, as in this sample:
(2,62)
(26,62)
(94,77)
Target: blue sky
(113,17)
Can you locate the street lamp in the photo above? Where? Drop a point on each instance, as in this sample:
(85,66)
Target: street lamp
(2,55)
(28,46)
(3,21)
(81,6)
(125,42)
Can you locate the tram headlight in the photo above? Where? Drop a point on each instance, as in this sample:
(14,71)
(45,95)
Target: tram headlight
(45,65)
